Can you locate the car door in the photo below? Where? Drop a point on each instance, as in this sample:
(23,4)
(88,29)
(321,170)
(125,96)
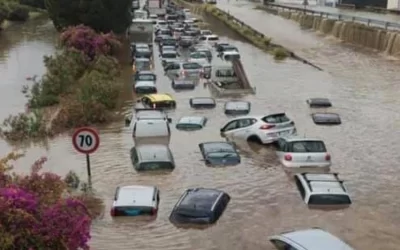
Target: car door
(172,69)
(244,125)
(282,148)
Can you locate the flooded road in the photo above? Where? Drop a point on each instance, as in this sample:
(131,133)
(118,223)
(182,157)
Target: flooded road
(264,199)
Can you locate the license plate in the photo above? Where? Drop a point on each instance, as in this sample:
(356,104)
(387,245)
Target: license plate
(283,133)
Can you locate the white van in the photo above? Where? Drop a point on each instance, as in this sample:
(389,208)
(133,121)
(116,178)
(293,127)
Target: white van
(150,131)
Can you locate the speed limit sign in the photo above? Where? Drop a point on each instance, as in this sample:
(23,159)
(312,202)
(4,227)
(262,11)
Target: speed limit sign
(86,140)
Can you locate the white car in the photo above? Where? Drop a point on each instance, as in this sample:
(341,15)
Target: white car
(322,189)
(135,200)
(308,239)
(230,55)
(298,152)
(199,57)
(210,39)
(161,24)
(262,129)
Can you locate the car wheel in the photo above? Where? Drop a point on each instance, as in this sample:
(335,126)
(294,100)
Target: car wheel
(255,139)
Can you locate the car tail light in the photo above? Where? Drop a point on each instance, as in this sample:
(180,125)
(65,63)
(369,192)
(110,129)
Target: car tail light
(288,157)
(112,212)
(327,157)
(267,126)
(292,123)
(153,211)
(183,73)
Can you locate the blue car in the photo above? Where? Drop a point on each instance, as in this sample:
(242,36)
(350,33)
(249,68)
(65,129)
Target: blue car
(219,153)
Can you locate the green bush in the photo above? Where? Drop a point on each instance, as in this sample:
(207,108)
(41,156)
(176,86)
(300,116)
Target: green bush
(63,70)
(17,12)
(33,3)
(22,126)
(280,53)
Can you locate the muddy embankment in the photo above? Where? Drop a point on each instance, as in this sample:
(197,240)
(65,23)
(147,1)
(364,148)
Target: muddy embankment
(354,33)
(258,39)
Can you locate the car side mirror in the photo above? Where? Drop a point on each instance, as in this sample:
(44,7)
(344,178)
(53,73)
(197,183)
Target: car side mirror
(221,130)
(169,120)
(128,120)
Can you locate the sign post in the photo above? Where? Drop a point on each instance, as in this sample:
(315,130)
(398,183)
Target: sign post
(86,140)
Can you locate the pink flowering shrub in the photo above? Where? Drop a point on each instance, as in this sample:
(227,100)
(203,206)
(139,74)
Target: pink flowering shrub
(85,39)
(36,212)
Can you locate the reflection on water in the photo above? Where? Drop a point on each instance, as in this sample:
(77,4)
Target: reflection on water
(265,200)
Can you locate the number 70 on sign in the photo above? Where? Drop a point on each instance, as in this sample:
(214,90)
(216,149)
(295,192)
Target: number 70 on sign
(85,140)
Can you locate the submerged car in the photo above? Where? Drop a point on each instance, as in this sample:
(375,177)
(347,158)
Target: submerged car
(168,56)
(322,189)
(202,102)
(135,200)
(219,153)
(152,157)
(237,108)
(145,87)
(199,206)
(191,123)
(183,84)
(300,152)
(308,239)
(163,101)
(319,103)
(145,76)
(142,64)
(326,118)
(184,69)
(262,129)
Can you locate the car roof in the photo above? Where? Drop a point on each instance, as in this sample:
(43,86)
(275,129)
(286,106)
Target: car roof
(184,81)
(294,138)
(145,84)
(231,52)
(313,239)
(200,199)
(160,97)
(155,152)
(328,183)
(237,105)
(326,115)
(169,52)
(142,59)
(217,146)
(212,35)
(192,120)
(145,72)
(150,114)
(197,100)
(135,195)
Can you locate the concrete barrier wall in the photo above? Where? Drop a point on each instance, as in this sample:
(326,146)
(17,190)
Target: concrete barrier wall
(351,32)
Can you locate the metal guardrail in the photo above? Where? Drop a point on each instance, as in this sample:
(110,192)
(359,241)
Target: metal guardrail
(340,17)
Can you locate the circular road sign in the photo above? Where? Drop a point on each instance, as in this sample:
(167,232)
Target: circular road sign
(86,140)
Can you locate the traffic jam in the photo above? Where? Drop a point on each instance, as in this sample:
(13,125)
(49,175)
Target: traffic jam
(190,59)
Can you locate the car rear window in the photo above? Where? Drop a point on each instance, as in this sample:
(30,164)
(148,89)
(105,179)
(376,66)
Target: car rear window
(231,57)
(145,90)
(165,104)
(188,126)
(276,118)
(308,146)
(146,77)
(213,39)
(169,55)
(156,165)
(191,66)
(132,211)
(329,199)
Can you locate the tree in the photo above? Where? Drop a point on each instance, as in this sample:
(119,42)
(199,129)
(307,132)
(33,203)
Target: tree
(101,15)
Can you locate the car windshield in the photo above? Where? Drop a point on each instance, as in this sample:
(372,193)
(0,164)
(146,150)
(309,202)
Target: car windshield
(142,64)
(146,77)
(231,57)
(198,56)
(221,155)
(156,165)
(169,55)
(142,53)
(308,146)
(191,66)
(329,199)
(213,38)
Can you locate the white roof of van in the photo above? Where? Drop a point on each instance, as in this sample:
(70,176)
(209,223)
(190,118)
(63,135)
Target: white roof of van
(135,196)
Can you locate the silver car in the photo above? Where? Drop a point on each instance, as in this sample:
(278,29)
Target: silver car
(184,69)
(308,239)
(297,152)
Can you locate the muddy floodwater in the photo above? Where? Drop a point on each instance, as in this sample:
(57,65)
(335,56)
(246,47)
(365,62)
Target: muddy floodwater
(363,88)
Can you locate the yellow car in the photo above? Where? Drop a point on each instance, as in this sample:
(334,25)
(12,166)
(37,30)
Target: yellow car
(153,101)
